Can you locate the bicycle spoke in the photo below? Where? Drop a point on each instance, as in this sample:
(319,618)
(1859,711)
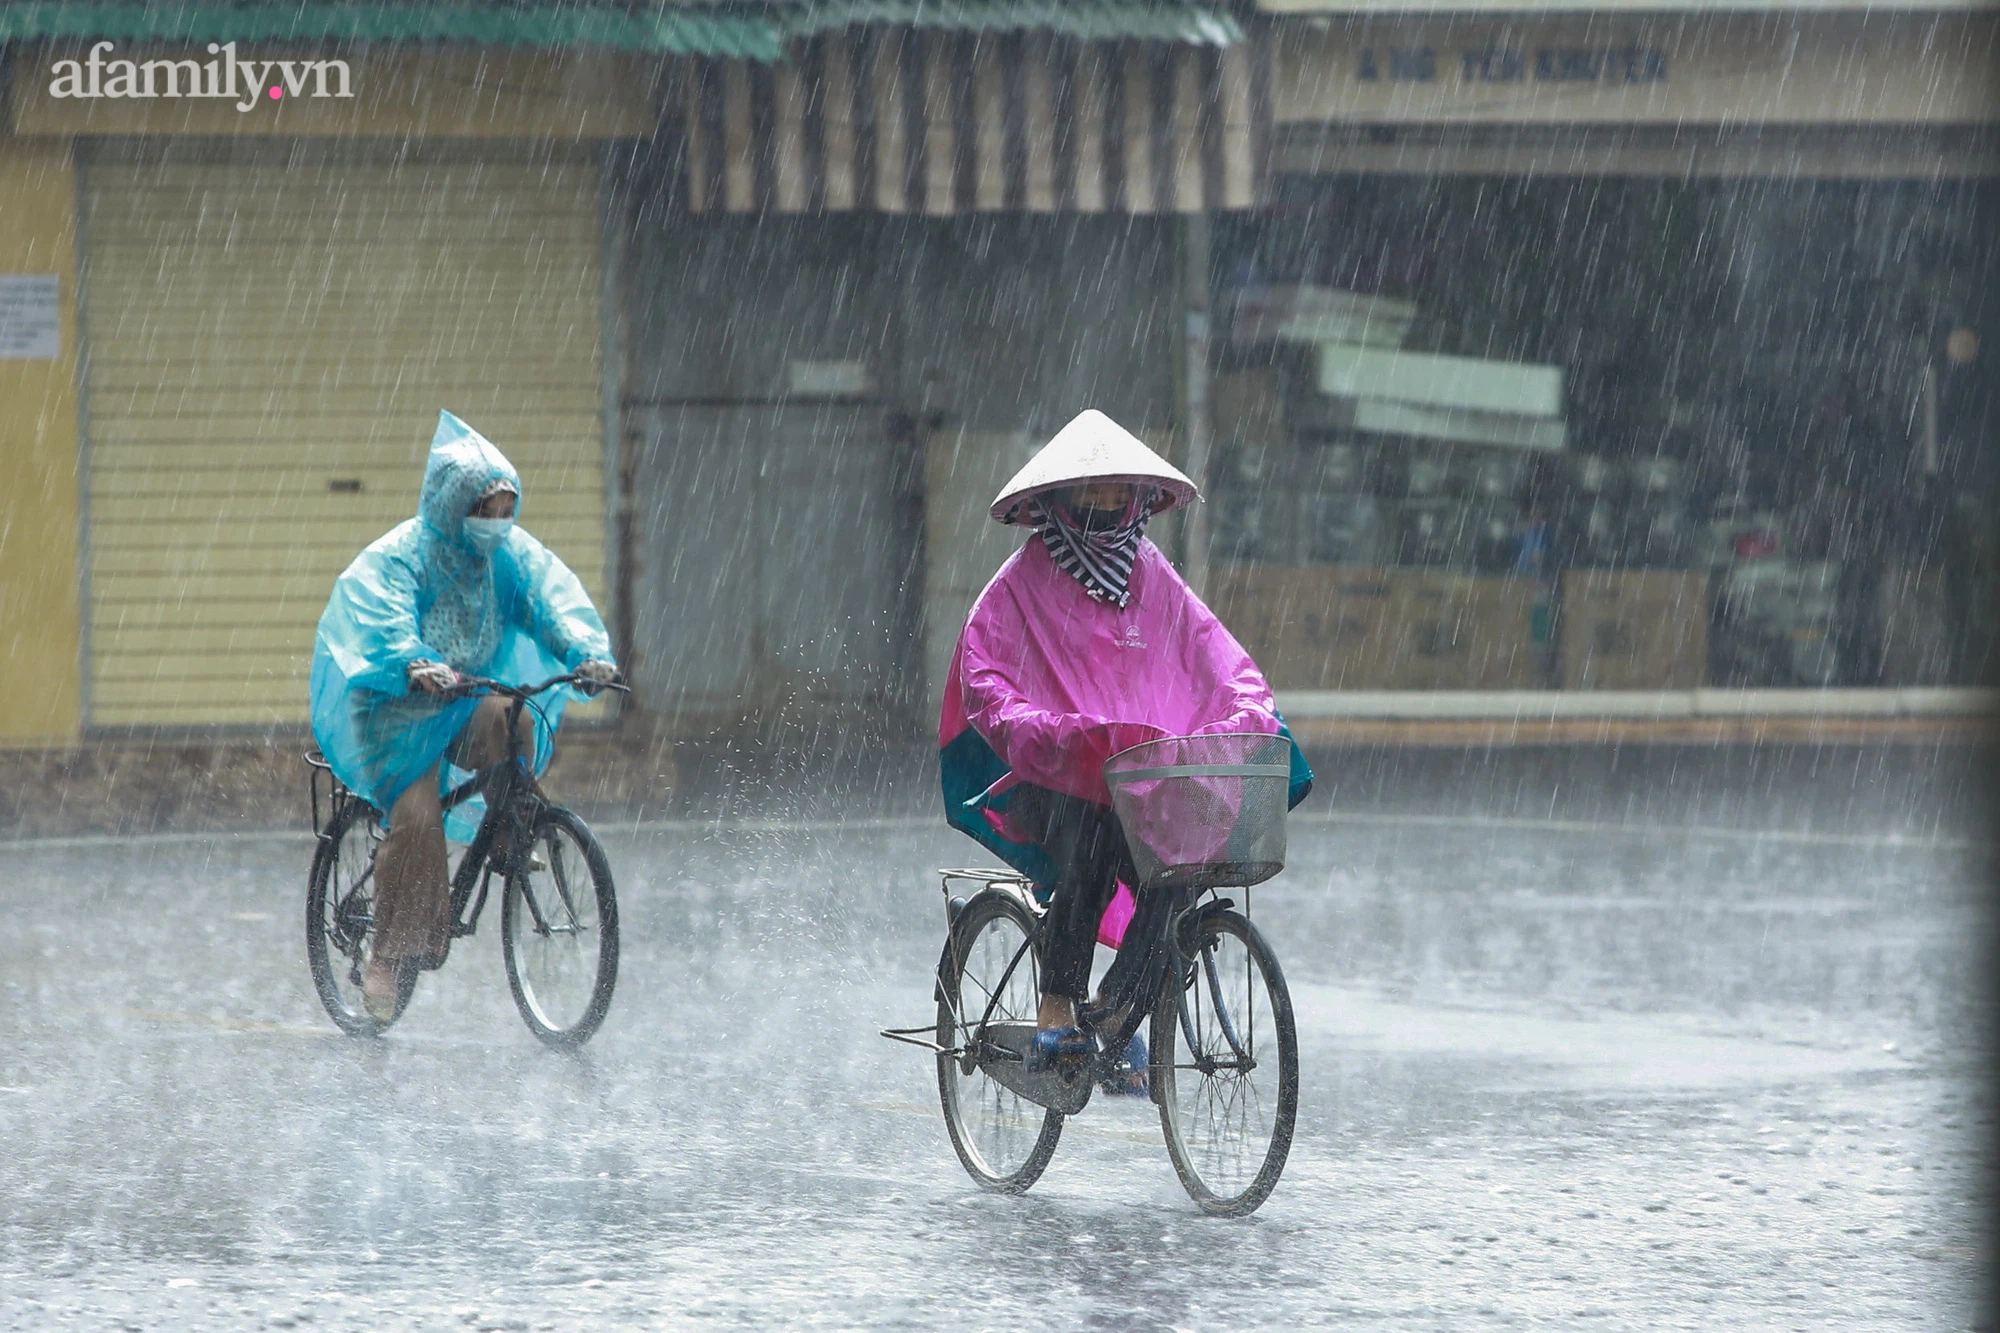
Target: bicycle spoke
(983,989)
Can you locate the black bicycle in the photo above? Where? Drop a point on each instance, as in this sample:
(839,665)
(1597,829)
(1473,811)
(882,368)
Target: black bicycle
(558,910)
(1224,1051)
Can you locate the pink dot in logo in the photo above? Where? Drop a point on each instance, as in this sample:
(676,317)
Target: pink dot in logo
(276,93)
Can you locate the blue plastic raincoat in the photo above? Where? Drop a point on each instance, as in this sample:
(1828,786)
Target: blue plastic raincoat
(423,590)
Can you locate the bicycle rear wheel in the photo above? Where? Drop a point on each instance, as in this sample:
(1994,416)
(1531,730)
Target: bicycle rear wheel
(1004,1140)
(340,917)
(559,932)
(1226,1066)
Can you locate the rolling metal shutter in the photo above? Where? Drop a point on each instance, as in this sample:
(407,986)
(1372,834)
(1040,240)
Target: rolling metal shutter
(272,329)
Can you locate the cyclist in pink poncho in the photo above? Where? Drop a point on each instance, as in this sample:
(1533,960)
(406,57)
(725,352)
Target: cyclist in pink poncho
(1085,643)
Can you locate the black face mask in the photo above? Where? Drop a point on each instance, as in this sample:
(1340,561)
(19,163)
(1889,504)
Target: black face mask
(1096,520)
(1092,520)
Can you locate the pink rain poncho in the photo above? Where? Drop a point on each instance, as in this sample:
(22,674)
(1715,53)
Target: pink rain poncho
(1048,683)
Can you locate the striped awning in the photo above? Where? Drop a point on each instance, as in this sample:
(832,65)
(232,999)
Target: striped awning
(896,119)
(1094,20)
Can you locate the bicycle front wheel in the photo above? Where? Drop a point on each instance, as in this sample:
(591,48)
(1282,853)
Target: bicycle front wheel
(1226,1066)
(1004,1140)
(559,932)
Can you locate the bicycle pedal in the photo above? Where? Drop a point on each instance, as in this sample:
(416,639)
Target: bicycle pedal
(1063,1050)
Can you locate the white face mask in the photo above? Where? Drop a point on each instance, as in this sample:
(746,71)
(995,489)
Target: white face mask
(485,535)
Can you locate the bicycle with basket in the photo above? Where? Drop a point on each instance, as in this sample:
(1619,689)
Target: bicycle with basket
(1201,814)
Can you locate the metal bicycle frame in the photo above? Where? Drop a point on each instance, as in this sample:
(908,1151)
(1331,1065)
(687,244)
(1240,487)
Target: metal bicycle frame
(1244,1060)
(512,804)
(977,1048)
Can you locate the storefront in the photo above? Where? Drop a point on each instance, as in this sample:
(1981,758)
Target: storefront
(763,308)
(271,308)
(911,255)
(1614,353)
(1602,351)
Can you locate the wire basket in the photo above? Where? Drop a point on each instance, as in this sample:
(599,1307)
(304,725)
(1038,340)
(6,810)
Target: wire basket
(1203,812)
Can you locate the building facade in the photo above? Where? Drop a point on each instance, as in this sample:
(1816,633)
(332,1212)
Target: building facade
(260,315)
(764,313)
(1617,347)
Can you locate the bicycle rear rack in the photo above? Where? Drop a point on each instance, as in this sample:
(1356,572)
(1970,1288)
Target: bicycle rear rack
(1011,882)
(337,792)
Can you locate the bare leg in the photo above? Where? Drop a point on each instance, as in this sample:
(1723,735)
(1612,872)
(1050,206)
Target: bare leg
(412,875)
(1057,1011)
(412,894)
(1136,1054)
(483,744)
(1115,1020)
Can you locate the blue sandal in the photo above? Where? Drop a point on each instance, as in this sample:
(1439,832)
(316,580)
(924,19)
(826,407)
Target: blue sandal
(1055,1046)
(1130,1078)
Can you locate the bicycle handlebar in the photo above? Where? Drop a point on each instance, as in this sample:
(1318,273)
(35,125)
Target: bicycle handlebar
(471,684)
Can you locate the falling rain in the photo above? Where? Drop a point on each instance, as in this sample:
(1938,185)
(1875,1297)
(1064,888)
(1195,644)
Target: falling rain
(1368,632)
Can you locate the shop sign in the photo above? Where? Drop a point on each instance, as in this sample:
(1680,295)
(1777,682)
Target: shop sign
(1728,69)
(1489,64)
(30,316)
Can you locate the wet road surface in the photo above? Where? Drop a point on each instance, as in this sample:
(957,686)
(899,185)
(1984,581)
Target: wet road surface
(1553,1074)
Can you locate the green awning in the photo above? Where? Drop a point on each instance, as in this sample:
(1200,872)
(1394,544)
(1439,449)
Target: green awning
(743,32)
(1095,20)
(670,30)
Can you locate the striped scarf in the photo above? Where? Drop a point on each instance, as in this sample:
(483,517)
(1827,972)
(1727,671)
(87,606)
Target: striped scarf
(1100,561)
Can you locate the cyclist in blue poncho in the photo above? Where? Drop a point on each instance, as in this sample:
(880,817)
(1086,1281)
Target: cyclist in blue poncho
(457,590)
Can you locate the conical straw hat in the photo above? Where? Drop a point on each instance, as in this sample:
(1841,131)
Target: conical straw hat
(1093,448)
